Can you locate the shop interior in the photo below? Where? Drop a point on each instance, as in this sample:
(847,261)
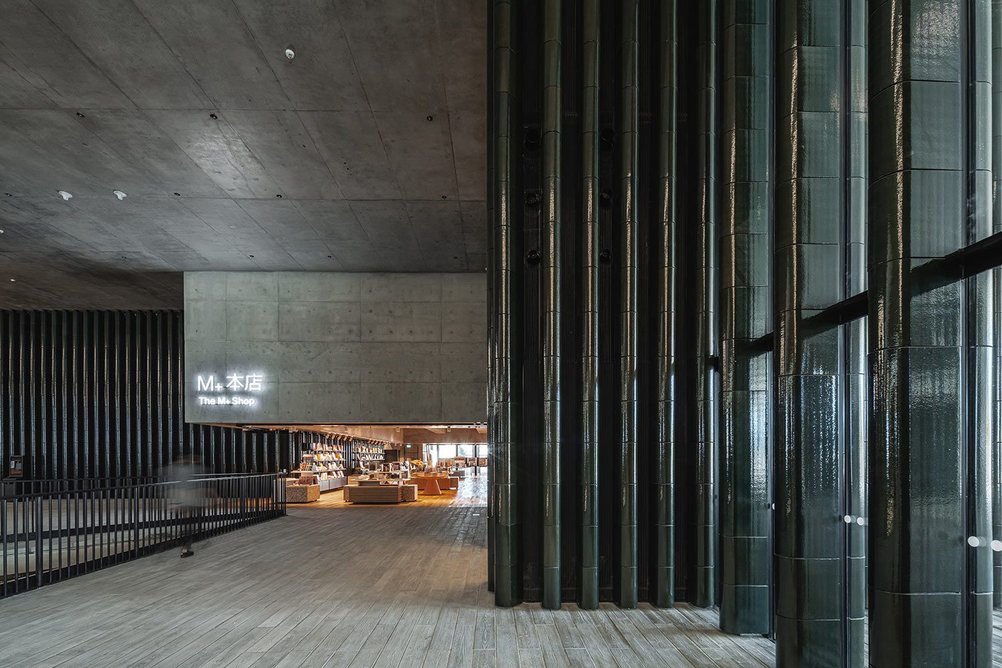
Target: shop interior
(396,464)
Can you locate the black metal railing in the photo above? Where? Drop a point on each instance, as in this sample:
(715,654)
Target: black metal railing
(16,487)
(68,528)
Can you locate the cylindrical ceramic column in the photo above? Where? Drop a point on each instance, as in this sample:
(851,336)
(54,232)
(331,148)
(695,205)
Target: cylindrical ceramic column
(705,297)
(506,326)
(629,299)
(591,30)
(930,563)
(979,330)
(667,291)
(810,550)
(997,339)
(550,302)
(492,275)
(745,518)
(854,393)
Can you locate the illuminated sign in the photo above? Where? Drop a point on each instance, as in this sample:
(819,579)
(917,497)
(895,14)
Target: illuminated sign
(232,389)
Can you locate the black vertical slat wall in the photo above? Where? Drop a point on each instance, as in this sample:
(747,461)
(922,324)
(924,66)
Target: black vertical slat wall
(611,282)
(100,394)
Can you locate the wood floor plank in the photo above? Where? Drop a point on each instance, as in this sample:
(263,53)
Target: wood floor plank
(336,585)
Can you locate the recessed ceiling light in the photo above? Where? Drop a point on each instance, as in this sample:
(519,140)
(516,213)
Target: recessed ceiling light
(290,53)
(13,280)
(119,194)
(65,195)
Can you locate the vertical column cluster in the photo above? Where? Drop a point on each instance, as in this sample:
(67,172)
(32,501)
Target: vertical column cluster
(929,565)
(810,204)
(668,305)
(590,194)
(552,316)
(745,242)
(705,275)
(629,301)
(505,327)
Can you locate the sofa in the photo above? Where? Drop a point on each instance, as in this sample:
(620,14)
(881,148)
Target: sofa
(380,493)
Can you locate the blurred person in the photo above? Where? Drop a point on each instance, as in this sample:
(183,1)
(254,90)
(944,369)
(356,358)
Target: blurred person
(187,494)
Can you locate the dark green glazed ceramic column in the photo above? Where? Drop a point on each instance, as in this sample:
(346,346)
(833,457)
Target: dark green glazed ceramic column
(745,519)
(505,327)
(810,201)
(550,302)
(980,354)
(705,296)
(667,290)
(591,30)
(491,306)
(997,341)
(629,305)
(929,81)
(854,395)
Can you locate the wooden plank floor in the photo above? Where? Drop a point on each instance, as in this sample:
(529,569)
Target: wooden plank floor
(340,585)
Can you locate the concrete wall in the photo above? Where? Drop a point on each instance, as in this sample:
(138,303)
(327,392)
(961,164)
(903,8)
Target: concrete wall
(338,347)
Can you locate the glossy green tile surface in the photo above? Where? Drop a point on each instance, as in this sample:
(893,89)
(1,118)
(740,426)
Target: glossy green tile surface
(589,490)
(629,303)
(667,235)
(996,220)
(814,152)
(705,296)
(745,245)
(551,303)
(505,410)
(930,360)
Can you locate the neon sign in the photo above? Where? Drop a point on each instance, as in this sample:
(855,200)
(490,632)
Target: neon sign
(231,389)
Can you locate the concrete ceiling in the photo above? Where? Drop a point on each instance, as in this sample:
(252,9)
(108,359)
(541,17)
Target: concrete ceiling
(366,152)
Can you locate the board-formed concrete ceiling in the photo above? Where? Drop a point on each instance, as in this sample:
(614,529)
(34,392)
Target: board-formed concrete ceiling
(366,152)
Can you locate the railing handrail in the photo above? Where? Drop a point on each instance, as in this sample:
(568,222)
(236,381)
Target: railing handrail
(73,528)
(111,487)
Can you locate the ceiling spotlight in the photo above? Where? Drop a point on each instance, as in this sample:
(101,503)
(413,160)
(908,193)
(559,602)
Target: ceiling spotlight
(65,195)
(13,280)
(290,53)
(119,194)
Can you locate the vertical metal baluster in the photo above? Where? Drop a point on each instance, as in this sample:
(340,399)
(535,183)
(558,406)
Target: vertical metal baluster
(115,533)
(27,521)
(3,529)
(95,524)
(89,536)
(57,572)
(17,567)
(100,528)
(38,540)
(142,516)
(121,552)
(49,548)
(135,520)
(73,556)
